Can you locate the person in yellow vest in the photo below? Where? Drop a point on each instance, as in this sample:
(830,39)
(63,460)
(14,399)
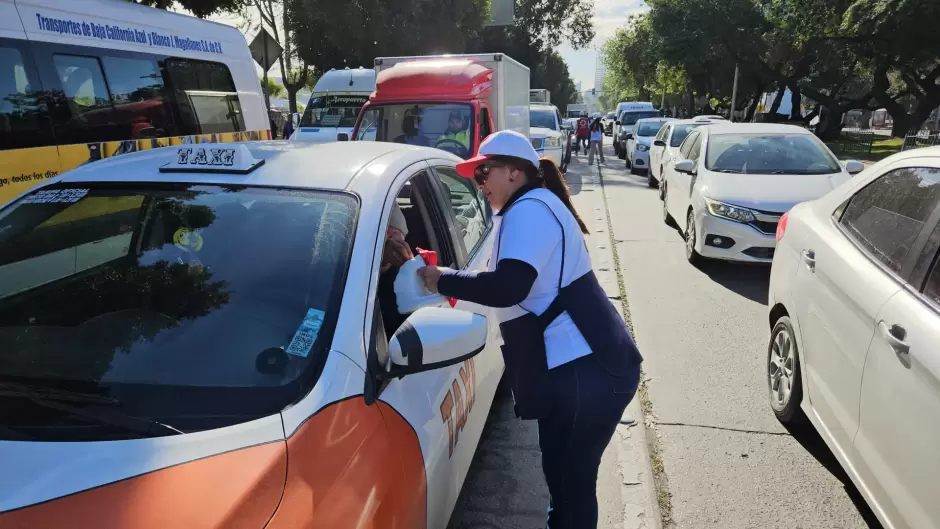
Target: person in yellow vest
(456,133)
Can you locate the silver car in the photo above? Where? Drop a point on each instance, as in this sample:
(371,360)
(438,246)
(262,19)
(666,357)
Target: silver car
(639,141)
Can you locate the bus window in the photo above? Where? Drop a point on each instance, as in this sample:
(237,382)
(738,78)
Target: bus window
(23,117)
(205,97)
(139,97)
(86,114)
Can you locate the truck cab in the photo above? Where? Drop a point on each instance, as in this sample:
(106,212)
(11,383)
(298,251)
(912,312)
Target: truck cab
(448,102)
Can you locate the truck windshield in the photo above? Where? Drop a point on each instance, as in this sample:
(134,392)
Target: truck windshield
(447,126)
(193,307)
(325,110)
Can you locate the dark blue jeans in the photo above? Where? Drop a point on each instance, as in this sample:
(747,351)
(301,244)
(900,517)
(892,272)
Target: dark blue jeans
(587,403)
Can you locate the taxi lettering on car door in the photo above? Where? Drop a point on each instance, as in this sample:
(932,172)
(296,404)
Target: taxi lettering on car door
(458,403)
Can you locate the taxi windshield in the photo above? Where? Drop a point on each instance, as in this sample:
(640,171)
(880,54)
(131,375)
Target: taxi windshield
(447,126)
(191,306)
(324,110)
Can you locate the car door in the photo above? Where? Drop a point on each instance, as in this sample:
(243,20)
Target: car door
(656,151)
(673,176)
(852,264)
(899,431)
(437,403)
(681,185)
(631,142)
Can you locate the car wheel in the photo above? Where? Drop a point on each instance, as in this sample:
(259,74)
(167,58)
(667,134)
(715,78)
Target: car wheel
(662,185)
(617,150)
(691,254)
(783,372)
(627,158)
(667,218)
(650,180)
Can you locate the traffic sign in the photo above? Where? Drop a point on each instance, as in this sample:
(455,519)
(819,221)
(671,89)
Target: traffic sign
(265,50)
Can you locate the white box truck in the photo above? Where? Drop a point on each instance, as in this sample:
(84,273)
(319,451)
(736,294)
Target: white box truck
(575,110)
(450,102)
(540,95)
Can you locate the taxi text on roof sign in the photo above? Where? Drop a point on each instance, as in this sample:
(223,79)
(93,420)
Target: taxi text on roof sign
(228,160)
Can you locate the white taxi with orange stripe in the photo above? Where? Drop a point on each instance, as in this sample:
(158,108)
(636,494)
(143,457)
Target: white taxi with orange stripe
(193,337)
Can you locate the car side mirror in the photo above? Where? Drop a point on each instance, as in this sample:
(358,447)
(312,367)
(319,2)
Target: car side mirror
(434,337)
(659,143)
(685,166)
(629,135)
(295,119)
(617,122)
(853,167)
(342,136)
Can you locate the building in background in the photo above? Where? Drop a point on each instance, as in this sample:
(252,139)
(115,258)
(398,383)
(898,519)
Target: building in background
(599,72)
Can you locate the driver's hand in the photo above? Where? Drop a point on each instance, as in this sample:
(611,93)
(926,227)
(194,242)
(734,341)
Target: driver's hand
(395,254)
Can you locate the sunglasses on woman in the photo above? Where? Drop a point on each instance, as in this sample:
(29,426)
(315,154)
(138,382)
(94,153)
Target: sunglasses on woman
(482,172)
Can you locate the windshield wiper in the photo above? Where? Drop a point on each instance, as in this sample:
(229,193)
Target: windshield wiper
(731,171)
(105,415)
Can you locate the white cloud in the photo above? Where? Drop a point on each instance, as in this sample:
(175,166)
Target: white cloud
(608,16)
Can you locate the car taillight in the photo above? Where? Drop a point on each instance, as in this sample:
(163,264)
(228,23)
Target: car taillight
(782,225)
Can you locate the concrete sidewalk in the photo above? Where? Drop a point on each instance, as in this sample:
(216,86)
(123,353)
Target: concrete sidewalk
(505,487)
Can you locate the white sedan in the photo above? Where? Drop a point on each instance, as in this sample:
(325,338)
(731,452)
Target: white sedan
(210,323)
(855,331)
(734,181)
(665,147)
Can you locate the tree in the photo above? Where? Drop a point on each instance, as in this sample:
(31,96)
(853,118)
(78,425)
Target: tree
(274,89)
(332,34)
(200,8)
(295,71)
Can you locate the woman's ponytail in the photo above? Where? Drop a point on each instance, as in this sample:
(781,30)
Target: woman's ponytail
(555,182)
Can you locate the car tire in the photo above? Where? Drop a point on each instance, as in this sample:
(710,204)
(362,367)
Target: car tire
(662,185)
(784,385)
(691,254)
(651,181)
(617,150)
(667,218)
(627,161)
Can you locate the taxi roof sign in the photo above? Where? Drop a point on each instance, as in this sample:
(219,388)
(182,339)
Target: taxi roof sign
(235,159)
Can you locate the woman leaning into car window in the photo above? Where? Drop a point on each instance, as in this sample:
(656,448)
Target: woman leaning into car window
(570,359)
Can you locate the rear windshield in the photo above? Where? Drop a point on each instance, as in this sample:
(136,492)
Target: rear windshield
(679,133)
(193,306)
(649,129)
(769,154)
(630,117)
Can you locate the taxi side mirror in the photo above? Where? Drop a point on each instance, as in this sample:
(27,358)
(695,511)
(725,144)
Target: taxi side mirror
(342,136)
(853,167)
(685,166)
(434,337)
(659,143)
(629,135)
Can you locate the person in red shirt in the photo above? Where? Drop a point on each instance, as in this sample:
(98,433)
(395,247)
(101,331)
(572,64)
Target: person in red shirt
(584,133)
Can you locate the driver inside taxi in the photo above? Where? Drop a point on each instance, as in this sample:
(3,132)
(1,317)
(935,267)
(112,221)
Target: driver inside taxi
(395,253)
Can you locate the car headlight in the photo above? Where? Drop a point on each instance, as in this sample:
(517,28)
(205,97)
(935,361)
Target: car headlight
(538,143)
(552,142)
(642,148)
(727,211)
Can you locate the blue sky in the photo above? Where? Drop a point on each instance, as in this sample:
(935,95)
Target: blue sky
(608,16)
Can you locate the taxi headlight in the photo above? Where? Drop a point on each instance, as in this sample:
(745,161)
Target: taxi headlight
(727,211)
(538,143)
(642,148)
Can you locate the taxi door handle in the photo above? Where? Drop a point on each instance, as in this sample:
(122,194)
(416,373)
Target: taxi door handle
(895,336)
(809,259)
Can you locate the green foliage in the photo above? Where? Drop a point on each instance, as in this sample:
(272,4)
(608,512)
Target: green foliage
(274,88)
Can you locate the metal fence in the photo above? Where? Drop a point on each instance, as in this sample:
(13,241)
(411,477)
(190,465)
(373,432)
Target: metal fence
(855,141)
(921,138)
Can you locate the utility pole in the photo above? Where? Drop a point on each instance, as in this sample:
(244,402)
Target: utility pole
(734,92)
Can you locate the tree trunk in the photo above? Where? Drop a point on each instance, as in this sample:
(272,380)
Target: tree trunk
(775,106)
(830,126)
(902,123)
(749,115)
(796,100)
(292,98)
(920,115)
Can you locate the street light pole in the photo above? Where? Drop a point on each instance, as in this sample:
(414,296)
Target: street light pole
(734,92)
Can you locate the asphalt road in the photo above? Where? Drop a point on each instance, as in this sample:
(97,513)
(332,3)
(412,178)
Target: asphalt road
(703,332)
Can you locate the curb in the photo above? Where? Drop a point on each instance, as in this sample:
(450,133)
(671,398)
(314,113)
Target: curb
(638,488)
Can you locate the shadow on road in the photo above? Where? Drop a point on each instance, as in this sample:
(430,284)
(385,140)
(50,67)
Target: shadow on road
(575,180)
(809,438)
(747,280)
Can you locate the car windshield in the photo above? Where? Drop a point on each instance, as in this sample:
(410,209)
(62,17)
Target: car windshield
(679,132)
(769,154)
(610,115)
(447,126)
(192,306)
(649,129)
(332,110)
(542,118)
(630,117)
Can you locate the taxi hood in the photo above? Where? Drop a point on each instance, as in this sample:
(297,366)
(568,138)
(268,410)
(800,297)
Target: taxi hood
(194,480)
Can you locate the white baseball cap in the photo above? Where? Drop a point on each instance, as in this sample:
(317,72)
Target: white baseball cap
(502,143)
